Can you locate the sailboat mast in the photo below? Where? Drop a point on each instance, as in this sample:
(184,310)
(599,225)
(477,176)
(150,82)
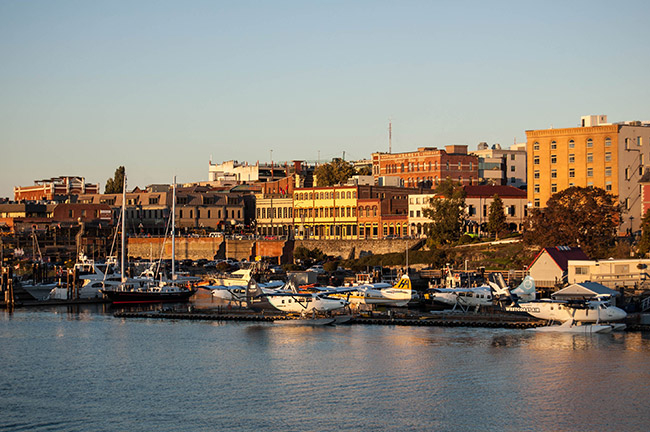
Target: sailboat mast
(122,261)
(174,230)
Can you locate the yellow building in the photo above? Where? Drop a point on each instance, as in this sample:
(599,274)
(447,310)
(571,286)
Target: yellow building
(610,156)
(326,212)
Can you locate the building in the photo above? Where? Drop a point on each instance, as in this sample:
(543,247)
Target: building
(611,156)
(199,208)
(232,170)
(274,215)
(478,200)
(497,166)
(55,189)
(427,166)
(147,212)
(551,265)
(613,273)
(350,212)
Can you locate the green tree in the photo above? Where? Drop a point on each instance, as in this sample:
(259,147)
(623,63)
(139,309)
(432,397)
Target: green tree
(364,171)
(336,172)
(644,242)
(578,216)
(447,213)
(496,217)
(115,184)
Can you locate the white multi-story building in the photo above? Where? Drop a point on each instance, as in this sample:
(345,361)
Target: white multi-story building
(245,173)
(500,166)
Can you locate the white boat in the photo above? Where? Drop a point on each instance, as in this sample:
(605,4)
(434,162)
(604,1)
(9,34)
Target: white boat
(237,278)
(38,291)
(573,327)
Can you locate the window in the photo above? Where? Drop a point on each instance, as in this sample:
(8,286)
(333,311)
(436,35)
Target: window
(572,144)
(608,142)
(572,158)
(582,270)
(536,146)
(512,157)
(460,166)
(590,157)
(536,188)
(512,168)
(608,185)
(572,172)
(553,187)
(537,203)
(590,143)
(470,166)
(554,173)
(553,145)
(608,156)
(536,160)
(536,175)
(608,171)
(553,159)
(590,172)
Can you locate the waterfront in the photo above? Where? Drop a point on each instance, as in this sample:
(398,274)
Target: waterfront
(79,368)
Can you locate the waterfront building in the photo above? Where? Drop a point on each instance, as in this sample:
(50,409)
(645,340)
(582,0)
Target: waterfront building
(199,208)
(350,212)
(497,166)
(427,166)
(55,189)
(611,156)
(244,172)
(612,273)
(551,265)
(146,211)
(274,214)
(478,199)
(25,217)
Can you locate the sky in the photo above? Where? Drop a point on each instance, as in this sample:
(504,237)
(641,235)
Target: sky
(163,87)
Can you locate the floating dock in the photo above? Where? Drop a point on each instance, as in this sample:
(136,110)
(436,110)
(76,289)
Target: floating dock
(420,321)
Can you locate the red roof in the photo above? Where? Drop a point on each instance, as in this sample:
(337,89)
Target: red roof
(489,191)
(561,255)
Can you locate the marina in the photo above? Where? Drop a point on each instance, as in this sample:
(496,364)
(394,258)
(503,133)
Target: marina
(71,368)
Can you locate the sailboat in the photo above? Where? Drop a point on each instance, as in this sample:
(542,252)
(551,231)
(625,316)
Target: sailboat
(149,291)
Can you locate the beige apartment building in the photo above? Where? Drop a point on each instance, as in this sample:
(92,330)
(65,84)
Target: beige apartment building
(611,156)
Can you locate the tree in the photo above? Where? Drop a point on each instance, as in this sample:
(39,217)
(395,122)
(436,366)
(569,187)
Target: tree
(496,217)
(447,213)
(115,184)
(364,171)
(336,172)
(644,242)
(578,216)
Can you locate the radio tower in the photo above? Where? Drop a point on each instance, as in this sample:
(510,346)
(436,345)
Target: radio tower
(390,136)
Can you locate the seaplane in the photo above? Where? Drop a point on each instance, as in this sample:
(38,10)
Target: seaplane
(576,316)
(384,294)
(291,300)
(467,298)
(237,293)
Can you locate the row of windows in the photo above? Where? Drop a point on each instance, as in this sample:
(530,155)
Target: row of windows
(208,214)
(337,212)
(422,166)
(326,195)
(589,143)
(274,212)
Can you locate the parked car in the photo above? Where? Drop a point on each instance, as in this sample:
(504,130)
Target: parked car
(317,268)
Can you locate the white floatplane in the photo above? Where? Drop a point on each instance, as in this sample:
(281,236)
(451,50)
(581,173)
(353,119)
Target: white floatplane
(375,294)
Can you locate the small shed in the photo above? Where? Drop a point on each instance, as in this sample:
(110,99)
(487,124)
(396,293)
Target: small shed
(550,266)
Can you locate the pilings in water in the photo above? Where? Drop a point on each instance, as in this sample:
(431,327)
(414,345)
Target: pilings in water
(7,287)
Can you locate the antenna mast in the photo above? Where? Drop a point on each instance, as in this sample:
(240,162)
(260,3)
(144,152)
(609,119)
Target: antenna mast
(390,136)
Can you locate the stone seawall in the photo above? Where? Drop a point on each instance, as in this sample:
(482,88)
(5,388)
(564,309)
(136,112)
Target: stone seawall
(208,248)
(356,248)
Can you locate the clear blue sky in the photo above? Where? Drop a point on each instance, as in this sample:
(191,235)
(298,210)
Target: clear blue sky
(160,86)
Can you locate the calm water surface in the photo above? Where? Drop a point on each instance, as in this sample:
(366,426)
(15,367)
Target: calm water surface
(80,369)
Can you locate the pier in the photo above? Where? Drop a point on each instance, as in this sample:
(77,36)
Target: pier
(433,320)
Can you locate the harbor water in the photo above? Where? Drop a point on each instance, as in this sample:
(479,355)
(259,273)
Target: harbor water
(80,369)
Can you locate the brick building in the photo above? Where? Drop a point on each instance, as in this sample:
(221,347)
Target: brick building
(427,166)
(54,189)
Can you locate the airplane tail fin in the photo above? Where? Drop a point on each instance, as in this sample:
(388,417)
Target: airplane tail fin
(253,290)
(500,291)
(526,290)
(404,284)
